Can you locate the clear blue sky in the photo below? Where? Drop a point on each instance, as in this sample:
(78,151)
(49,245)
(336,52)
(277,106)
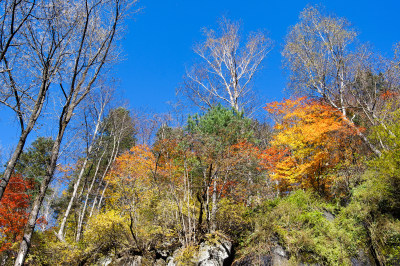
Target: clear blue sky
(158,43)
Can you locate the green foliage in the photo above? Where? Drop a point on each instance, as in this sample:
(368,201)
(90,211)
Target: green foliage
(372,217)
(226,125)
(120,122)
(299,223)
(387,167)
(232,217)
(33,162)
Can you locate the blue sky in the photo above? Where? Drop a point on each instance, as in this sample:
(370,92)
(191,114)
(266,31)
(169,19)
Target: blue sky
(159,40)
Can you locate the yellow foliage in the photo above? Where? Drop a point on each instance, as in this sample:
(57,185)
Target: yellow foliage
(105,228)
(311,139)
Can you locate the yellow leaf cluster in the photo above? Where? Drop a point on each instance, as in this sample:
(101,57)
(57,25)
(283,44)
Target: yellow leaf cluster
(313,136)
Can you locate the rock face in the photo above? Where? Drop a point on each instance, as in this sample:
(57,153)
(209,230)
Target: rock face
(218,254)
(130,261)
(278,257)
(214,255)
(362,259)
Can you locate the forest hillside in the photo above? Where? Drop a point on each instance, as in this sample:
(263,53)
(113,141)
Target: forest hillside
(315,183)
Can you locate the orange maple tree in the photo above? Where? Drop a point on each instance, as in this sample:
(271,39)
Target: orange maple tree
(311,140)
(13,211)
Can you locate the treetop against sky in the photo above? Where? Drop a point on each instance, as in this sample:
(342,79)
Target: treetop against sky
(159,40)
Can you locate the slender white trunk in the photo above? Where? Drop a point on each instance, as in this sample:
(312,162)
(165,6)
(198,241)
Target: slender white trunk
(110,162)
(214,207)
(82,215)
(60,233)
(102,196)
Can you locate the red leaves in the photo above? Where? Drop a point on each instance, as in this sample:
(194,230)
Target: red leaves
(271,156)
(13,211)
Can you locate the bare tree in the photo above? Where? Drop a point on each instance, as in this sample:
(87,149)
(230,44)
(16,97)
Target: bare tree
(13,16)
(147,123)
(29,70)
(227,67)
(92,41)
(325,61)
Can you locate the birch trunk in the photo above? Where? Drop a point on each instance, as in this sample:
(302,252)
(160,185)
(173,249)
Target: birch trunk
(82,215)
(60,233)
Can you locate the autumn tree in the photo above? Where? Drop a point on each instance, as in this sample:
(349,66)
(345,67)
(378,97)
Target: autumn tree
(311,139)
(174,162)
(227,67)
(131,191)
(14,208)
(324,60)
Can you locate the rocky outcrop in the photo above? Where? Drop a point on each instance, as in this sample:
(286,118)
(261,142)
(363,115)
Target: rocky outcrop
(217,252)
(277,257)
(208,254)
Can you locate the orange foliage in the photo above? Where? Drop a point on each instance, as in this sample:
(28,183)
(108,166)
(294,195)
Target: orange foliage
(130,176)
(311,140)
(389,94)
(170,160)
(135,164)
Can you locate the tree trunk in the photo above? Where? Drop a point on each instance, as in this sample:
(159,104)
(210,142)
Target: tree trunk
(112,158)
(82,216)
(30,225)
(102,196)
(213,226)
(60,233)
(24,134)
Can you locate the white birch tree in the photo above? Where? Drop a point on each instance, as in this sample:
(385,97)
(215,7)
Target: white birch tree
(226,68)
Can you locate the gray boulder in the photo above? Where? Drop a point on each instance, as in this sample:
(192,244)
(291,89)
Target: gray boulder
(209,254)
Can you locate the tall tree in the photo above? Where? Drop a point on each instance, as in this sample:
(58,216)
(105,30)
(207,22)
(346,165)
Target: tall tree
(31,67)
(222,142)
(227,67)
(96,25)
(91,133)
(117,136)
(324,61)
